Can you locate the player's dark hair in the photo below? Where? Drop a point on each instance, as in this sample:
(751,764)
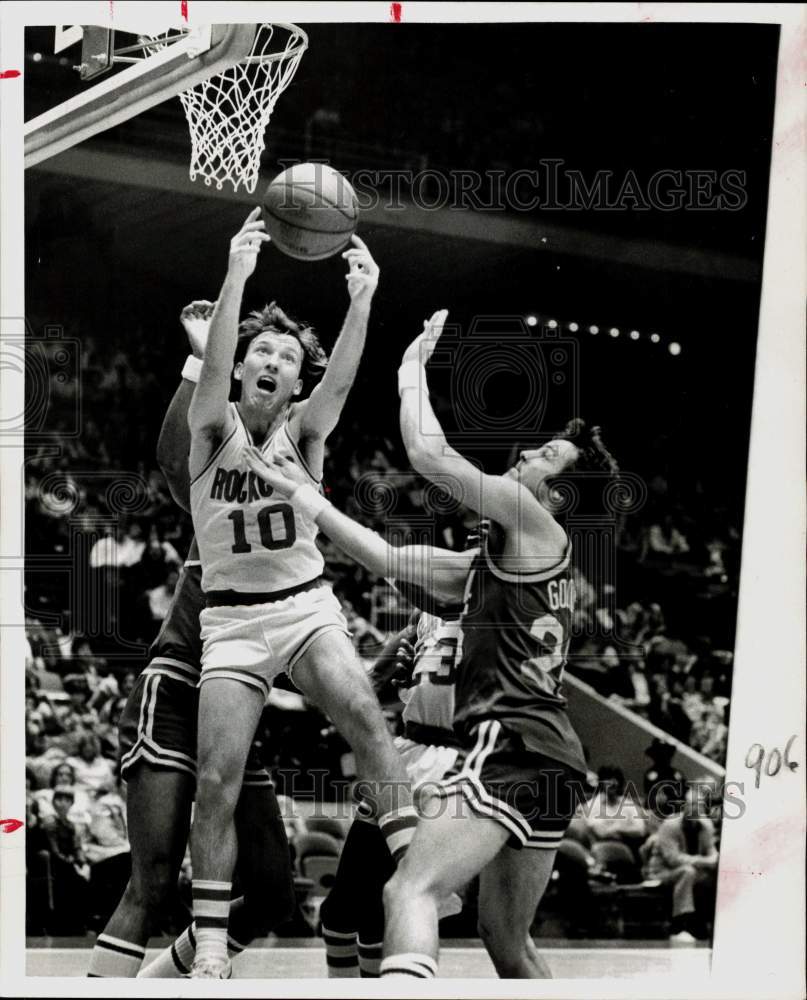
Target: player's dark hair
(593,455)
(589,476)
(272,318)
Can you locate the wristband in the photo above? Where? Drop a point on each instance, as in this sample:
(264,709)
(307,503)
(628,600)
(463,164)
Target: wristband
(309,502)
(192,368)
(411,376)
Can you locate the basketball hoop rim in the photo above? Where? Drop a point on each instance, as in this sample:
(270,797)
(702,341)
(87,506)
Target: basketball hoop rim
(299,46)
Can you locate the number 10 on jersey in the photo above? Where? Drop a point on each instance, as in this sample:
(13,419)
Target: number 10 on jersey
(275,525)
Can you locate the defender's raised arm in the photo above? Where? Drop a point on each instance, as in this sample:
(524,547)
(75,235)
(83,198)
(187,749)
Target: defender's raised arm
(174,443)
(499,497)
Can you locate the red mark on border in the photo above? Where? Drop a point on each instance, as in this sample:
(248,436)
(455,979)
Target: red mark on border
(395,13)
(183,9)
(10,825)
(9,74)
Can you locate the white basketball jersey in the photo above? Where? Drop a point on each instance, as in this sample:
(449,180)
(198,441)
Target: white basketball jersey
(249,541)
(438,647)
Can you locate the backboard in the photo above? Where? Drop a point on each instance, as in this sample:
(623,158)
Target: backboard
(146,79)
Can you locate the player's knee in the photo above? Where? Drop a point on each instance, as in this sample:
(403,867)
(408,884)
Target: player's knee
(217,787)
(404,885)
(393,892)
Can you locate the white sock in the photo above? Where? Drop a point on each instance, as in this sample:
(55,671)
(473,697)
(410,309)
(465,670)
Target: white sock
(211,911)
(114,958)
(370,959)
(176,961)
(409,966)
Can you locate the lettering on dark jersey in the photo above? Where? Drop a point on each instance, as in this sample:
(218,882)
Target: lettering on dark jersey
(561,594)
(238,486)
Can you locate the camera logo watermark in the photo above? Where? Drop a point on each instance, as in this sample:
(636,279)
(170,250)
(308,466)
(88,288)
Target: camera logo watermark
(50,365)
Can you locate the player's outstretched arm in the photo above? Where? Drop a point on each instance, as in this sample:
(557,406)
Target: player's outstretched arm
(322,411)
(440,572)
(209,414)
(174,442)
(497,497)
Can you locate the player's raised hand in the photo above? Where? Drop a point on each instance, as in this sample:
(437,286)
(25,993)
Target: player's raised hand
(282,474)
(195,318)
(362,276)
(422,347)
(246,244)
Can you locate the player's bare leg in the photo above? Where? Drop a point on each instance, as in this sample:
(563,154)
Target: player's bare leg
(510,888)
(329,674)
(222,753)
(158,806)
(450,846)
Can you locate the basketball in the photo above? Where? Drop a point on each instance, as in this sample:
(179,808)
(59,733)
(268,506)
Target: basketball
(310,211)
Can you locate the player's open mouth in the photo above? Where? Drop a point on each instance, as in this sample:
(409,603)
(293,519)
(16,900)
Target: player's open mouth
(267,384)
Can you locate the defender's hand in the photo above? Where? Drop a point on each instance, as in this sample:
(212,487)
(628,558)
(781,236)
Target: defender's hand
(245,246)
(362,278)
(404,662)
(195,318)
(422,347)
(283,475)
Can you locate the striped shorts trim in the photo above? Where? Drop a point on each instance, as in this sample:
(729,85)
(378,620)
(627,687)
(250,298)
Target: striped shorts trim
(174,668)
(145,747)
(470,782)
(257,778)
(160,715)
(236,674)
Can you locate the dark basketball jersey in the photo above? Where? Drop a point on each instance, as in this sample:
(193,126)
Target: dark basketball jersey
(177,650)
(516,626)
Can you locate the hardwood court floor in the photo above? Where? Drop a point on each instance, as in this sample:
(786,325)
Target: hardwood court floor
(464,959)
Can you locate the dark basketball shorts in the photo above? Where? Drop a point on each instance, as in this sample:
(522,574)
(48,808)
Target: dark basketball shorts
(532,796)
(158,724)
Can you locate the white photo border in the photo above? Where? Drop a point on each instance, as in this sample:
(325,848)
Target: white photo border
(758,947)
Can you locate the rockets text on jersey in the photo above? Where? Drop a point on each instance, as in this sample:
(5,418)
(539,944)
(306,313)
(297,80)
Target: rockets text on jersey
(250,541)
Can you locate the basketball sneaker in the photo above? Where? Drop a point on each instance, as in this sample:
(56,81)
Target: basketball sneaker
(211,968)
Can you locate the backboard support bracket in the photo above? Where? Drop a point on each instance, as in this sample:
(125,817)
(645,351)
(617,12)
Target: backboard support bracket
(96,51)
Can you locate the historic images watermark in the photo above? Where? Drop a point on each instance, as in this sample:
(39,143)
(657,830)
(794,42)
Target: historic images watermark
(704,797)
(552,185)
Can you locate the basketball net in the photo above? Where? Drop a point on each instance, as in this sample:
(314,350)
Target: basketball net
(228,114)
